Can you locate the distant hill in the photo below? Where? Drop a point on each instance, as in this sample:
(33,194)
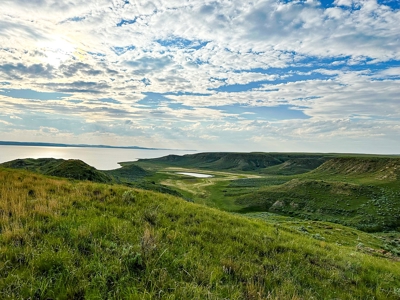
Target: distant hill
(135,176)
(39,144)
(72,168)
(268,163)
(128,173)
(381,167)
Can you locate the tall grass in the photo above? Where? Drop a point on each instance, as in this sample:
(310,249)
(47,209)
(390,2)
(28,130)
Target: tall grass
(65,240)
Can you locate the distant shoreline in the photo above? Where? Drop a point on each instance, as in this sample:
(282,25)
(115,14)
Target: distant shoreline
(39,144)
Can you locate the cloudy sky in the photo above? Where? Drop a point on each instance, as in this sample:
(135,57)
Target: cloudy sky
(261,75)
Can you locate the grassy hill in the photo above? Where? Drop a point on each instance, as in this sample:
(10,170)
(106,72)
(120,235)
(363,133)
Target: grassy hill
(130,175)
(375,167)
(355,191)
(268,163)
(72,168)
(362,191)
(65,240)
(365,207)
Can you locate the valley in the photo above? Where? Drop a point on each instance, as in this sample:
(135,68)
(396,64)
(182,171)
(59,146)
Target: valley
(361,191)
(264,226)
(354,190)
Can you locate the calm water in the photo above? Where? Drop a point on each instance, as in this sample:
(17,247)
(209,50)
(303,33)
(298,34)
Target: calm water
(198,175)
(100,158)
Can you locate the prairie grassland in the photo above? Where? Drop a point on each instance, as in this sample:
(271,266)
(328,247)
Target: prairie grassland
(80,240)
(361,191)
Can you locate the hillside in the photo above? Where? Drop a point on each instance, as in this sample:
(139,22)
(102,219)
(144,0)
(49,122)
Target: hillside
(362,192)
(268,163)
(368,208)
(130,175)
(379,167)
(64,240)
(72,168)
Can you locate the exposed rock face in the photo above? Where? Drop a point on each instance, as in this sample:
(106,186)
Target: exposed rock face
(278,204)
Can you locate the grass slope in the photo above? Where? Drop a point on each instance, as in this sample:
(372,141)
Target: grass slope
(376,167)
(361,191)
(72,168)
(64,240)
(268,163)
(130,175)
(355,191)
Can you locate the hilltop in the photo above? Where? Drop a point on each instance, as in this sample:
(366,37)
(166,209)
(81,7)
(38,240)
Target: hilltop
(63,240)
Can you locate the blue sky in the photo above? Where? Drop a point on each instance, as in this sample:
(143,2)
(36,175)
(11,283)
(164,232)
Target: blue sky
(271,75)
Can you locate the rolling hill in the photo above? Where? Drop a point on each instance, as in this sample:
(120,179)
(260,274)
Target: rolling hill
(377,167)
(268,163)
(82,240)
(72,168)
(362,191)
(131,175)
(354,191)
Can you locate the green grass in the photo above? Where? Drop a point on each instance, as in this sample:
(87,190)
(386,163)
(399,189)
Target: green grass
(65,240)
(129,174)
(361,191)
(72,168)
(350,204)
(265,163)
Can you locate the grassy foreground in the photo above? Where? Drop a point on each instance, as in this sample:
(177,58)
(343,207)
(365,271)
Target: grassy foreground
(81,240)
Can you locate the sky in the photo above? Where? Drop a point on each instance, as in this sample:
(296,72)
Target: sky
(228,75)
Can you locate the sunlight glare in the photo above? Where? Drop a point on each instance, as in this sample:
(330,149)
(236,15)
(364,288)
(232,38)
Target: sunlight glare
(57,51)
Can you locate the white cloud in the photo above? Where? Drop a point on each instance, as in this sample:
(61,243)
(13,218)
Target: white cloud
(320,61)
(343,2)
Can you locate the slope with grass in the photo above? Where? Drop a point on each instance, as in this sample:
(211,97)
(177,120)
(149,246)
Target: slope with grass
(355,191)
(361,191)
(383,168)
(72,168)
(130,175)
(65,240)
(268,163)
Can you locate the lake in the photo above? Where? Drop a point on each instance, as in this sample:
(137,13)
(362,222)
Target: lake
(100,158)
(198,175)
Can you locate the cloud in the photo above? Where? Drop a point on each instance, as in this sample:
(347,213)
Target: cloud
(343,2)
(79,87)
(286,70)
(19,71)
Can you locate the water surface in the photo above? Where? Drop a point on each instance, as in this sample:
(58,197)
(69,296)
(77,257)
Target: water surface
(198,175)
(100,158)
